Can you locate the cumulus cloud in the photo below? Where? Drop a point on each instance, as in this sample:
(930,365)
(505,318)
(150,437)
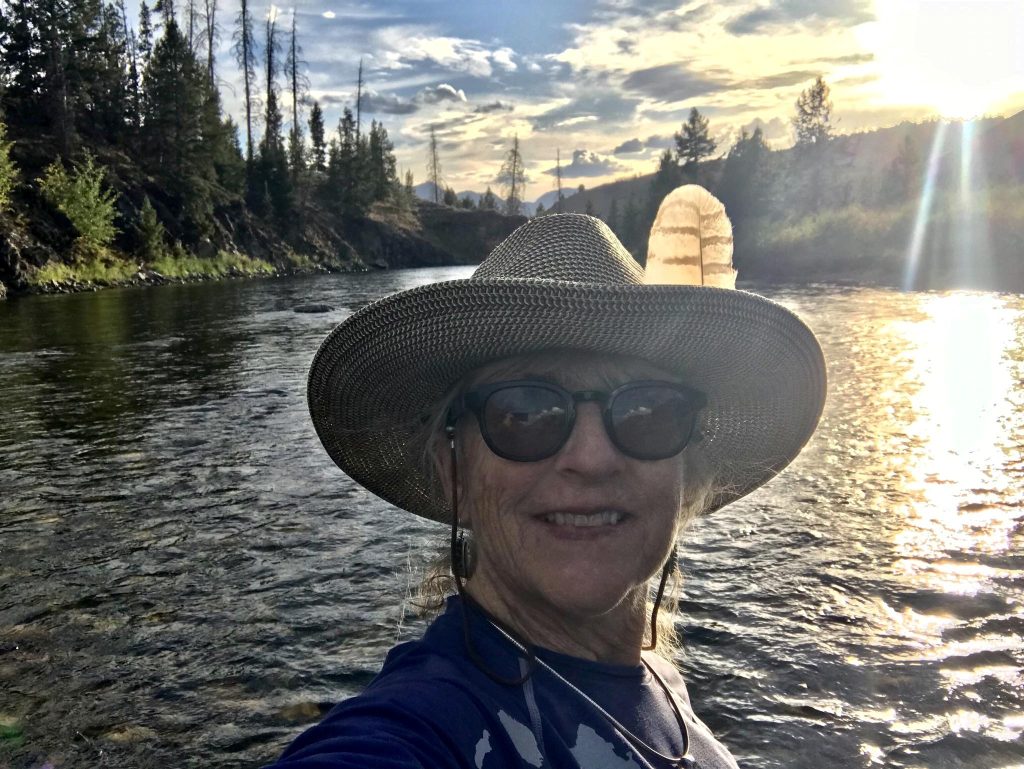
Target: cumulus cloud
(502,57)
(809,12)
(675,82)
(405,47)
(442,92)
(634,145)
(584,164)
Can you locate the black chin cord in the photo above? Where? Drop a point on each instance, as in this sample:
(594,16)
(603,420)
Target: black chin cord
(667,569)
(467,601)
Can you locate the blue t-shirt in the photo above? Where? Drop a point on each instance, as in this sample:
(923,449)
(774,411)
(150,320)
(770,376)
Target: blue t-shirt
(432,707)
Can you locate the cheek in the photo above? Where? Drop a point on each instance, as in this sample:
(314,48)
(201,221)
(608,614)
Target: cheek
(490,486)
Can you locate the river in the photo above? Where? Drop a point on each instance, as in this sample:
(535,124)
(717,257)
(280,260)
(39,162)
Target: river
(186,580)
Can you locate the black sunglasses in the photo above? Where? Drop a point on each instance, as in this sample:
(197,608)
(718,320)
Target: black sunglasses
(529,420)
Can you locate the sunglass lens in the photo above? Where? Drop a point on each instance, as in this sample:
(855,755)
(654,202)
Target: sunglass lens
(525,422)
(652,421)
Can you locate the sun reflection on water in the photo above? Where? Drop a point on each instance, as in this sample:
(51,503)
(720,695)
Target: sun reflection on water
(962,370)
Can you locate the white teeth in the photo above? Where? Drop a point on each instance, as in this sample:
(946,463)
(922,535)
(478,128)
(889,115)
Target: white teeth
(606,518)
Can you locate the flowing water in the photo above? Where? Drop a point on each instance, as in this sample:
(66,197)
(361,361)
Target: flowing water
(186,580)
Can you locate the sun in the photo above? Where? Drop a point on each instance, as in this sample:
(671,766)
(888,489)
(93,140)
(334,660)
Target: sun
(961,57)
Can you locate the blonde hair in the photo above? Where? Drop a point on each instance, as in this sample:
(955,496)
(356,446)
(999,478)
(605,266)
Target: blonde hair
(699,486)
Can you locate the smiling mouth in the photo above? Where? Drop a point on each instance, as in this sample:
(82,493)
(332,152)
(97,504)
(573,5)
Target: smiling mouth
(604,518)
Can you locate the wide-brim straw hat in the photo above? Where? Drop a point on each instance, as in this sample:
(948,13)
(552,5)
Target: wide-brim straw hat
(564,282)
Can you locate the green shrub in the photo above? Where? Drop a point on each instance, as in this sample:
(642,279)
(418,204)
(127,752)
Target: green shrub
(80,195)
(152,233)
(8,171)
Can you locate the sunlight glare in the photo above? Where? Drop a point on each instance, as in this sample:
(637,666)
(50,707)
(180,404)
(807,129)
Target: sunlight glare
(924,207)
(958,56)
(964,378)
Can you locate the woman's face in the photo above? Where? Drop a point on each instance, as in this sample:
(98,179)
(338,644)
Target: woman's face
(579,533)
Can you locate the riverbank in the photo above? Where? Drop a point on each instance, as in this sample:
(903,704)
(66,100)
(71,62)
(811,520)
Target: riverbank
(973,244)
(430,236)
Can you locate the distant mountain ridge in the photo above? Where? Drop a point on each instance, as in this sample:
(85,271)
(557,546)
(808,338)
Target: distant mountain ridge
(425,191)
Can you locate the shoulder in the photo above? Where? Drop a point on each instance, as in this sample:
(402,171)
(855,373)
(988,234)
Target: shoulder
(425,709)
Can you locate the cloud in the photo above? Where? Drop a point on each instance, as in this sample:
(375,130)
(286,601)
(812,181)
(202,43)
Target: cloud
(609,108)
(674,82)
(442,92)
(502,57)
(584,164)
(773,131)
(853,58)
(387,104)
(655,142)
(627,147)
(393,104)
(779,80)
(334,100)
(495,106)
(807,12)
(403,47)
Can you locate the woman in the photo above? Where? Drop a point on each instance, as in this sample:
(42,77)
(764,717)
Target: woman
(566,420)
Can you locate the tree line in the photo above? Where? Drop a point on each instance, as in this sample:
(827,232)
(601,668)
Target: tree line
(87,96)
(759,184)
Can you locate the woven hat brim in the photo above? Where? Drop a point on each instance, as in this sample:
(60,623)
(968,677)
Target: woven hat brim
(377,374)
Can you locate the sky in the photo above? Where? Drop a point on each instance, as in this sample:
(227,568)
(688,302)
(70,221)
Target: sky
(603,85)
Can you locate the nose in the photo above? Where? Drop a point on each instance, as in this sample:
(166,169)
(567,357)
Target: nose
(589,450)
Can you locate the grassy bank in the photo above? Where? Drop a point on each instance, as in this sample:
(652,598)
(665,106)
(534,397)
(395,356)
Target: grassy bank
(110,270)
(977,244)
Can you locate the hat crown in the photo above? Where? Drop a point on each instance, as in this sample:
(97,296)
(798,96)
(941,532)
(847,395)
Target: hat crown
(565,247)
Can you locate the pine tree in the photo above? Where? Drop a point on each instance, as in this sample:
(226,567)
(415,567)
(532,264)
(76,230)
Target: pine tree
(512,176)
(188,146)
(434,166)
(145,35)
(152,235)
(694,143)
(212,35)
(346,188)
(744,187)
(271,179)
(293,66)
(450,198)
(316,136)
(812,174)
(813,116)
(489,202)
(382,167)
(86,200)
(245,54)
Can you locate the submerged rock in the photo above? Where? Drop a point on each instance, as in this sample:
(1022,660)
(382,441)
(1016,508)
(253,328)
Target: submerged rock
(312,308)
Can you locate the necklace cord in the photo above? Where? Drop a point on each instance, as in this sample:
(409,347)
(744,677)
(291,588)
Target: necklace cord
(681,760)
